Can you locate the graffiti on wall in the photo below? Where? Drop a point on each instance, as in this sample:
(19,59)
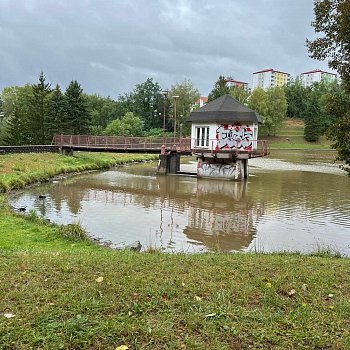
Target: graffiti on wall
(234,136)
(217,170)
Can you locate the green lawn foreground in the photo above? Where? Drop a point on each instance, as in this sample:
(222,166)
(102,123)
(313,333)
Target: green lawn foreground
(57,293)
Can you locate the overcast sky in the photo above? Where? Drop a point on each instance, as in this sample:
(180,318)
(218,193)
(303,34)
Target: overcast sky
(111,45)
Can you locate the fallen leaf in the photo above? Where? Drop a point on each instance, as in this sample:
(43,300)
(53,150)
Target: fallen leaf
(121,347)
(331,307)
(9,315)
(198,298)
(291,292)
(99,279)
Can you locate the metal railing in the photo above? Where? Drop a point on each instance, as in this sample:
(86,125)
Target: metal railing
(123,143)
(255,148)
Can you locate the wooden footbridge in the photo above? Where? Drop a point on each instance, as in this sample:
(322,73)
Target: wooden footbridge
(156,145)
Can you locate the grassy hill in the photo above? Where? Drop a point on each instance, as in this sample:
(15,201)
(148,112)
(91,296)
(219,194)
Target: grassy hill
(291,135)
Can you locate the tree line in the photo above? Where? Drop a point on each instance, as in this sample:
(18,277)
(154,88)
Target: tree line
(33,114)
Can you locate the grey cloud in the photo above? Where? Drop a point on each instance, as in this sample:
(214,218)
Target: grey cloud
(109,46)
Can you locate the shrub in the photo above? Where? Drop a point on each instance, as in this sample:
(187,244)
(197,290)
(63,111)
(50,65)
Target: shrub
(74,232)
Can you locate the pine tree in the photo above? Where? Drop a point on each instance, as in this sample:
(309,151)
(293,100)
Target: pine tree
(55,120)
(38,110)
(220,88)
(77,116)
(313,120)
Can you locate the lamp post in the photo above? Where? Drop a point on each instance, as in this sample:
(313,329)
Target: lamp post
(175,97)
(165,94)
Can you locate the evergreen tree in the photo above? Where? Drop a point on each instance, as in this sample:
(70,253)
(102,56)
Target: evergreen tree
(55,120)
(38,110)
(77,116)
(313,123)
(220,88)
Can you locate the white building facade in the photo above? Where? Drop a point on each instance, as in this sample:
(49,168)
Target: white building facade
(268,78)
(316,76)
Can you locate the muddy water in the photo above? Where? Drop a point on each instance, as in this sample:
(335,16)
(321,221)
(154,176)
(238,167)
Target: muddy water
(294,200)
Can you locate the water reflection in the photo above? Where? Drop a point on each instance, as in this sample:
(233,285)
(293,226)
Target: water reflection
(286,209)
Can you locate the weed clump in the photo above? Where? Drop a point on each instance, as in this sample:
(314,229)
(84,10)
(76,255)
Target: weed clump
(74,232)
(3,203)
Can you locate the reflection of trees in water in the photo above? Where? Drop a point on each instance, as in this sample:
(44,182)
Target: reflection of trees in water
(220,213)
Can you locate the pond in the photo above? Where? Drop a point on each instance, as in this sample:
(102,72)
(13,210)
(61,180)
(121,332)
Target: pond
(293,201)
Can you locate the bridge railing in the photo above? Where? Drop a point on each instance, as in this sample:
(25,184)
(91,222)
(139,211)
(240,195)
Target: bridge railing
(257,148)
(124,142)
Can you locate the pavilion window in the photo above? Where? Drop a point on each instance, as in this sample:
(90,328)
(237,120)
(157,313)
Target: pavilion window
(202,134)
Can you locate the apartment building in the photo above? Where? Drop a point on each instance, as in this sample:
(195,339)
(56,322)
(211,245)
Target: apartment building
(316,76)
(231,82)
(270,78)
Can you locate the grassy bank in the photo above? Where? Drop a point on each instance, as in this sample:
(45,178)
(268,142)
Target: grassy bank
(74,295)
(19,170)
(59,293)
(291,135)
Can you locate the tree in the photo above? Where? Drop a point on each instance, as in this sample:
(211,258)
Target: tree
(102,110)
(272,107)
(16,106)
(55,120)
(277,107)
(220,88)
(147,102)
(297,96)
(338,104)
(129,125)
(258,101)
(312,113)
(187,97)
(78,118)
(38,110)
(239,93)
(332,23)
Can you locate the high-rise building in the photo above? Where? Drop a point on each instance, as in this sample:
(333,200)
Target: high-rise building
(231,82)
(316,76)
(268,78)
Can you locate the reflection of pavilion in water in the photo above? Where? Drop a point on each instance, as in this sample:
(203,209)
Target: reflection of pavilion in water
(220,215)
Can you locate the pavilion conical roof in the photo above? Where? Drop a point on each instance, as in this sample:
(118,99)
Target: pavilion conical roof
(224,109)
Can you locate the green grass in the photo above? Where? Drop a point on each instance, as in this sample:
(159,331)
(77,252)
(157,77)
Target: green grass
(291,135)
(159,301)
(19,170)
(66,293)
